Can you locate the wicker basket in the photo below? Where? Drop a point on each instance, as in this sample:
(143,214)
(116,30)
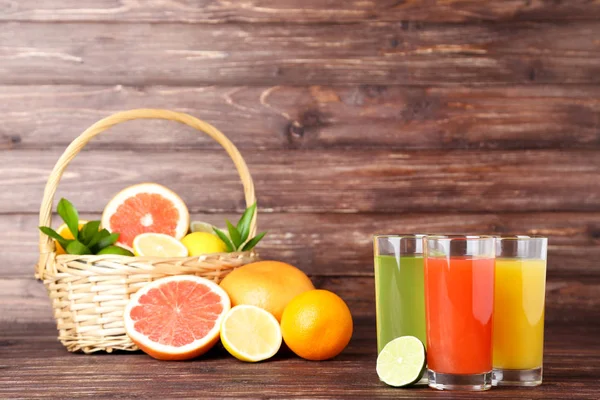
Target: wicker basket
(89,292)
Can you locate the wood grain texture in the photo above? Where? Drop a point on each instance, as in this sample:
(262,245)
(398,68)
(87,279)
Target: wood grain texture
(34,365)
(370,53)
(321,181)
(313,117)
(311,11)
(572,300)
(456,116)
(341,244)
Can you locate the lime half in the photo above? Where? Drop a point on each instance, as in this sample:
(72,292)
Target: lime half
(199,226)
(401,362)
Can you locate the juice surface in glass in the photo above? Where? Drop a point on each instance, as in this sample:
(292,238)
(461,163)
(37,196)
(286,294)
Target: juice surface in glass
(519,313)
(460,305)
(400,298)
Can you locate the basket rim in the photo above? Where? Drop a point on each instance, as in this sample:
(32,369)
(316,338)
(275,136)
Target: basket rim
(101,257)
(47,248)
(117,265)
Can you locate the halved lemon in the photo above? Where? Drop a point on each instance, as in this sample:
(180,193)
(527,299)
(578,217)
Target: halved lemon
(158,245)
(250,333)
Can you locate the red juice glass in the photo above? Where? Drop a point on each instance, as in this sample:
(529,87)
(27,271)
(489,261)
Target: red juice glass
(459,305)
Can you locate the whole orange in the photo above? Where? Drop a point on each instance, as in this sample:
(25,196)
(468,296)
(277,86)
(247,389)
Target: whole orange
(270,285)
(317,325)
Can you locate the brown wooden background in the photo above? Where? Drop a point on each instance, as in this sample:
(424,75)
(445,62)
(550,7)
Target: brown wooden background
(354,117)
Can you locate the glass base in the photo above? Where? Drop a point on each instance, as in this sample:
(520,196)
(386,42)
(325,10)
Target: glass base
(517,377)
(423,381)
(475,382)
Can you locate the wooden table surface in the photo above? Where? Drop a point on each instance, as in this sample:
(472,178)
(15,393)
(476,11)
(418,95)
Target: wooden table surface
(34,365)
(355,118)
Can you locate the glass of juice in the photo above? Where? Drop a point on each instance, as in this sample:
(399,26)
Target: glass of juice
(399,287)
(519,310)
(459,303)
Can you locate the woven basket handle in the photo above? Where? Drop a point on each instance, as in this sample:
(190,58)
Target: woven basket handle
(47,244)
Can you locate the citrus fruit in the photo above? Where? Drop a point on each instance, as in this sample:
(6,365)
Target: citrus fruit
(402,361)
(124,246)
(64,231)
(177,317)
(158,245)
(250,333)
(199,226)
(199,243)
(270,285)
(317,325)
(115,250)
(147,207)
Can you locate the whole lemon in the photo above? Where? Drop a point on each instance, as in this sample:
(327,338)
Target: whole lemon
(199,243)
(270,285)
(317,325)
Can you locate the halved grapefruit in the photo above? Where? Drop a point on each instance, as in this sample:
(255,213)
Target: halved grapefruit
(147,207)
(176,318)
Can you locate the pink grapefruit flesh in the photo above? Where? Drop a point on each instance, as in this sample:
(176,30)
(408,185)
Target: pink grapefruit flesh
(144,208)
(176,318)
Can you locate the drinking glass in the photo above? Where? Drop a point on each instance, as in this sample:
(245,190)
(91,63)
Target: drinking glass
(519,310)
(399,287)
(459,298)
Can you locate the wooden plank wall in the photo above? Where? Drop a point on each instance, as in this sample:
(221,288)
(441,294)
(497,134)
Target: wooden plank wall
(354,117)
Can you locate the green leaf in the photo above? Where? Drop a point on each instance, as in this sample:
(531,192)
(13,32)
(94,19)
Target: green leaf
(254,241)
(107,241)
(69,214)
(97,236)
(88,231)
(243,225)
(54,235)
(76,247)
(225,239)
(234,235)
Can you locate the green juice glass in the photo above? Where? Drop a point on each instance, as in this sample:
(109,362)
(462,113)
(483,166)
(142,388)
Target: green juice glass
(399,287)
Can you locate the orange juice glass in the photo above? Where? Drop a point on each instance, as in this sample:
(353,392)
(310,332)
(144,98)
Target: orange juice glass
(459,305)
(519,310)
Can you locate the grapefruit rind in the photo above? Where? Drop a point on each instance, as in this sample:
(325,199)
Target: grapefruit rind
(151,188)
(168,352)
